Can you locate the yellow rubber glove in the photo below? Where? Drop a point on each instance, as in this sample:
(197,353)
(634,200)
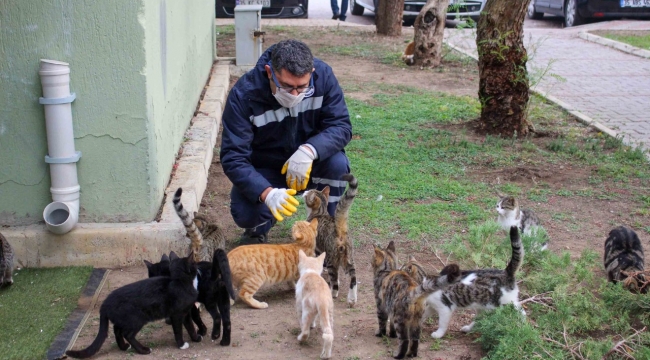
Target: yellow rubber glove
(281,201)
(298,168)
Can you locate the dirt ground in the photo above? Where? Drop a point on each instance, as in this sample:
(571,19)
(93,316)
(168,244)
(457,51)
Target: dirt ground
(271,333)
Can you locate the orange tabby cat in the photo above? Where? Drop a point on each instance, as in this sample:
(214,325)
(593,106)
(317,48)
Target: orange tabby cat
(252,266)
(313,299)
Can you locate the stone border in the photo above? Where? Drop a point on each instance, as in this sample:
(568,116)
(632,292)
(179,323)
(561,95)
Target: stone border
(120,244)
(585,35)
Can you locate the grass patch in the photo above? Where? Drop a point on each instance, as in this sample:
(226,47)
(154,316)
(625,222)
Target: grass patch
(36,307)
(640,39)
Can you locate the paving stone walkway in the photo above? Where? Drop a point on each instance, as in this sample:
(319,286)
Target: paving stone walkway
(597,83)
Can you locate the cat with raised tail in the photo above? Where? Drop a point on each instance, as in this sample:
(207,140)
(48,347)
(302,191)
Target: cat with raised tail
(623,256)
(401,299)
(252,266)
(314,302)
(132,306)
(481,289)
(333,238)
(510,214)
(205,237)
(6,262)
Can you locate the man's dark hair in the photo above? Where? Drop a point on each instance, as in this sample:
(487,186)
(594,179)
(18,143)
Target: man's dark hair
(293,56)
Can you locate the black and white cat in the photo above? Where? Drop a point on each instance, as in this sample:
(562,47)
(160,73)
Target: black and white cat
(215,291)
(510,214)
(132,306)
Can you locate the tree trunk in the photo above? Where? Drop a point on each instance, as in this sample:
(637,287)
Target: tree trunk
(429,30)
(388,17)
(503,78)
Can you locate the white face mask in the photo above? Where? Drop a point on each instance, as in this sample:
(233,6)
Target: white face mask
(286,99)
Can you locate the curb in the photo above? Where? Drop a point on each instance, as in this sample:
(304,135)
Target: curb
(615,44)
(580,116)
(122,244)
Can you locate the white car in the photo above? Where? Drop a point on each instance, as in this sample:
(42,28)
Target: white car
(458,9)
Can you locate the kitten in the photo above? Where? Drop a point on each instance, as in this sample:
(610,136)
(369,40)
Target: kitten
(510,214)
(401,299)
(408,54)
(414,269)
(255,265)
(132,306)
(205,237)
(479,289)
(313,299)
(333,236)
(215,291)
(6,262)
(624,253)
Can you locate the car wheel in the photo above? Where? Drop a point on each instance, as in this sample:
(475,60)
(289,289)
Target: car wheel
(532,12)
(356,8)
(571,16)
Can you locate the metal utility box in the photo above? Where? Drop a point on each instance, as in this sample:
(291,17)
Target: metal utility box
(248,34)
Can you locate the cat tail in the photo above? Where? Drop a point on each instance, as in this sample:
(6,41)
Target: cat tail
(343,207)
(449,275)
(221,266)
(97,343)
(517,255)
(192,231)
(326,314)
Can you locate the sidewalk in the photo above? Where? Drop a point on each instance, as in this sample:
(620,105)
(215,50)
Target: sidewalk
(600,85)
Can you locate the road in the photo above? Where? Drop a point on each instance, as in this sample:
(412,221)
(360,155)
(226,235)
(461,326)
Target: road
(321,9)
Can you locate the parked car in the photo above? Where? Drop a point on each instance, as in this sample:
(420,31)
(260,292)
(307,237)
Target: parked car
(270,8)
(457,8)
(576,12)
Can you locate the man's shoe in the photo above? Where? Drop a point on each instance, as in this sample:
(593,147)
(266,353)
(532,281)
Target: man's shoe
(248,238)
(336,16)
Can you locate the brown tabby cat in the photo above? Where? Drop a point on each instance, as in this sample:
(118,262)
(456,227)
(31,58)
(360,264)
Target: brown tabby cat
(313,299)
(333,236)
(252,266)
(415,270)
(205,237)
(624,253)
(401,299)
(6,262)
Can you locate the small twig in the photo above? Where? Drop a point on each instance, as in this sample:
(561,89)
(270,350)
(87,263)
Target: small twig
(637,280)
(623,344)
(539,299)
(435,252)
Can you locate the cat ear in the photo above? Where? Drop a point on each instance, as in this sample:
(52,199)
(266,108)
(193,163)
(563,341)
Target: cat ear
(326,192)
(391,246)
(379,251)
(149,265)
(314,224)
(164,258)
(173,256)
(301,255)
(321,258)
(412,258)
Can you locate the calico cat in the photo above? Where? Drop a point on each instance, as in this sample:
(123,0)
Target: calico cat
(215,292)
(400,299)
(333,236)
(6,262)
(479,289)
(313,299)
(624,253)
(408,54)
(255,265)
(510,214)
(132,306)
(205,237)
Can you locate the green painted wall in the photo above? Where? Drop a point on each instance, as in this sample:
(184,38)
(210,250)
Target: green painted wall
(137,67)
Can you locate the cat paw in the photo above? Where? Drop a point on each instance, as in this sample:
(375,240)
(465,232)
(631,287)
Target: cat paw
(263,305)
(335,294)
(202,331)
(225,342)
(303,337)
(380,333)
(215,336)
(198,338)
(438,334)
(466,328)
(185,346)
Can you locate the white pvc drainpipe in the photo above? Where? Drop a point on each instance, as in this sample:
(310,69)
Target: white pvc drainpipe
(63,213)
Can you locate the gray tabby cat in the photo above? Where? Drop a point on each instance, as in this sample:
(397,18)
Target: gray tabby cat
(481,289)
(510,214)
(6,262)
(623,252)
(333,236)
(205,237)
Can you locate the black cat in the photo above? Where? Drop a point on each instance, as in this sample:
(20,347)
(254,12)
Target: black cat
(159,269)
(215,292)
(132,306)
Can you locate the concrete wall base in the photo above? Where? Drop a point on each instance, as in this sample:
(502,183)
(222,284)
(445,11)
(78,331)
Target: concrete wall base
(123,244)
